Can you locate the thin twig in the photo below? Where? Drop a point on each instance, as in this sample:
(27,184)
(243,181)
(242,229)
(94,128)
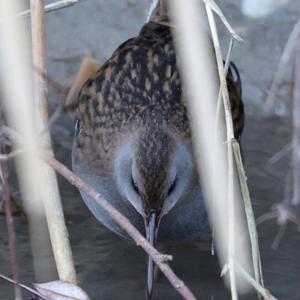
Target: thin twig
(214,7)
(226,67)
(260,289)
(284,60)
(152,9)
(48,8)
(10,228)
(265,217)
(279,236)
(280,154)
(158,258)
(154,12)
(55,6)
(285,214)
(258,275)
(217,128)
(59,87)
(288,188)
(296,134)
(10,155)
(27,288)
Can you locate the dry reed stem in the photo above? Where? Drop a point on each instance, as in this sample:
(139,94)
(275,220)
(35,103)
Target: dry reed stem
(220,95)
(259,288)
(197,62)
(27,288)
(160,7)
(296,134)
(50,7)
(153,9)
(237,154)
(10,229)
(51,199)
(17,104)
(217,128)
(230,137)
(160,259)
(258,275)
(283,63)
(214,7)
(280,154)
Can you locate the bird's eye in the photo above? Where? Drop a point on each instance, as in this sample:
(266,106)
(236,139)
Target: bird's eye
(77,127)
(172,187)
(134,185)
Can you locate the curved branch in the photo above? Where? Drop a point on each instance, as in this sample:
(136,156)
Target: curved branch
(160,259)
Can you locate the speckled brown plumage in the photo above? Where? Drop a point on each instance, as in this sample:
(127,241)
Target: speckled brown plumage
(134,108)
(140,84)
(153,161)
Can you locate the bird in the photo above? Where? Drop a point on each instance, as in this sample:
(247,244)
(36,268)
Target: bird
(133,141)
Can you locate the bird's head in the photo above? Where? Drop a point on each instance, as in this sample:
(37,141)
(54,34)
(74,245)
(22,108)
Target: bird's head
(153,170)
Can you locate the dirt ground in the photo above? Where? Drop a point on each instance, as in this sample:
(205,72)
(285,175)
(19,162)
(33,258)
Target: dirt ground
(112,268)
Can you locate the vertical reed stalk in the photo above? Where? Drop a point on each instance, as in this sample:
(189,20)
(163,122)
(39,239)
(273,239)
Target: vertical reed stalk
(296,133)
(201,82)
(51,198)
(230,163)
(10,229)
(16,68)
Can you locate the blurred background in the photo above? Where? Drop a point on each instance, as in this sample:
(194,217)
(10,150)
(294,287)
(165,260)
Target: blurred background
(109,267)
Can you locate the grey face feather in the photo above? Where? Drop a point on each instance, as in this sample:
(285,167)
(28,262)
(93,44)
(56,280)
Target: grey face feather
(168,184)
(181,171)
(123,173)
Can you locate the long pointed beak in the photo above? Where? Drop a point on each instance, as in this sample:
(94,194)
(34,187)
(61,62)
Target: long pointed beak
(151,235)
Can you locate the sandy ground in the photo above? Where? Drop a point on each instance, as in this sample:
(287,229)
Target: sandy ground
(111,268)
